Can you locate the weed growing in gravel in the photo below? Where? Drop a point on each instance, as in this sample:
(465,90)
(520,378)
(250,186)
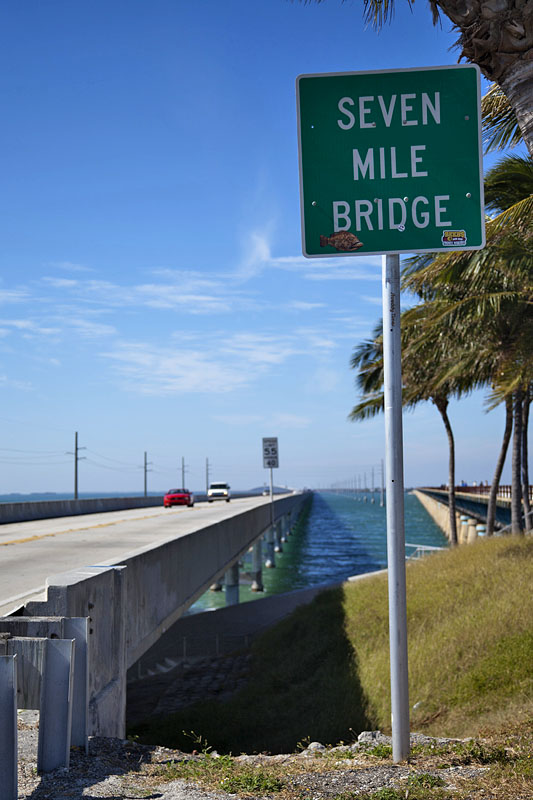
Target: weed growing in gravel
(380,751)
(413,793)
(424,780)
(222,772)
(251,780)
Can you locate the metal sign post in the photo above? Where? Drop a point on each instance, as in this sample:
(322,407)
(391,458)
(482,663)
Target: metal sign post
(271,461)
(391,162)
(392,374)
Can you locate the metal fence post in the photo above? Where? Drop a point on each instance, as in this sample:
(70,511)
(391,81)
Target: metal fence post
(8,727)
(56,706)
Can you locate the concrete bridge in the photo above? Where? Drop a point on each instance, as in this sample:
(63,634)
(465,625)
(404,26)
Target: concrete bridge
(471,509)
(147,567)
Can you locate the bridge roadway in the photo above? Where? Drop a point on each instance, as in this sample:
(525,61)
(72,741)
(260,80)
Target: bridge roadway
(32,551)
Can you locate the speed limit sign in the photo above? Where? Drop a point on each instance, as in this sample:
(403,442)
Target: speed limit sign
(270,452)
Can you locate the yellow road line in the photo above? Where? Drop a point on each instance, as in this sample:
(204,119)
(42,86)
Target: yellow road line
(71,530)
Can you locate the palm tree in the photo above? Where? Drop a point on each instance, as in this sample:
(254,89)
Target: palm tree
(497,36)
(490,292)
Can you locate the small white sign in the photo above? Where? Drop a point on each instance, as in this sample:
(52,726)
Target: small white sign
(270,452)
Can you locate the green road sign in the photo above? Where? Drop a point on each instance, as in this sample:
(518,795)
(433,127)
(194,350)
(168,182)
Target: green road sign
(390,161)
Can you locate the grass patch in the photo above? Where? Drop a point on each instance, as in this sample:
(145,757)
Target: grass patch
(222,772)
(323,673)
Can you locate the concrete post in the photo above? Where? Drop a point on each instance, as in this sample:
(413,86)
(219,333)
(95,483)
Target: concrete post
(278,547)
(232,585)
(270,561)
(8,727)
(257,567)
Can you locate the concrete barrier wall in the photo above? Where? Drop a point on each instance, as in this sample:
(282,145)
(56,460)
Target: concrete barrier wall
(48,509)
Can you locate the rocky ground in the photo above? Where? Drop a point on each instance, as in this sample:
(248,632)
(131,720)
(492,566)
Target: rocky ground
(200,679)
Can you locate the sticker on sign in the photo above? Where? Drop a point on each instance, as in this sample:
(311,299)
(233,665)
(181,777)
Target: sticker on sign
(391,161)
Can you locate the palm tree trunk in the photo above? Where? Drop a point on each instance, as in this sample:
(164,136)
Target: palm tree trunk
(491,508)
(442,406)
(516,484)
(528,521)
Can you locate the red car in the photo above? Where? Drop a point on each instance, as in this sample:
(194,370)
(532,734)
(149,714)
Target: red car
(178,497)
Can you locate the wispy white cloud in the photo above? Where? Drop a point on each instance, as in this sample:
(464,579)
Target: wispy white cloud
(238,420)
(62,283)
(13,295)
(256,256)
(302,305)
(317,340)
(275,421)
(165,371)
(166,297)
(283,420)
(90,329)
(339,274)
(69,266)
(12,383)
(28,327)
(257,348)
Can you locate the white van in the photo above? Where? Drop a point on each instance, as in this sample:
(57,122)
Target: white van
(218,491)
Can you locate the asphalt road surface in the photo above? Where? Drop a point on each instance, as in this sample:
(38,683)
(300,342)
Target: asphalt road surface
(31,552)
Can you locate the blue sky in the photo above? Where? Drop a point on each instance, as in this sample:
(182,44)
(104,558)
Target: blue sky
(152,288)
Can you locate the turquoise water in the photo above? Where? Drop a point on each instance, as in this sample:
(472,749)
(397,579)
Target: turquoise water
(344,536)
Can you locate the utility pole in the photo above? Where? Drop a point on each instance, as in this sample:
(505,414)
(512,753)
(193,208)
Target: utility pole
(77,458)
(182,473)
(206,475)
(146,471)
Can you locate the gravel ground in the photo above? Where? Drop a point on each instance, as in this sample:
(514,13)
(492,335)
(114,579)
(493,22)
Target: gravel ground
(116,769)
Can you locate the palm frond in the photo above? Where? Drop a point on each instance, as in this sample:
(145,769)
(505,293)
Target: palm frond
(499,126)
(509,182)
(378,12)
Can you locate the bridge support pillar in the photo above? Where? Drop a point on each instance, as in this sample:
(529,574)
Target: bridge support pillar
(270,561)
(232,585)
(284,526)
(472,530)
(257,567)
(278,547)
(463,530)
